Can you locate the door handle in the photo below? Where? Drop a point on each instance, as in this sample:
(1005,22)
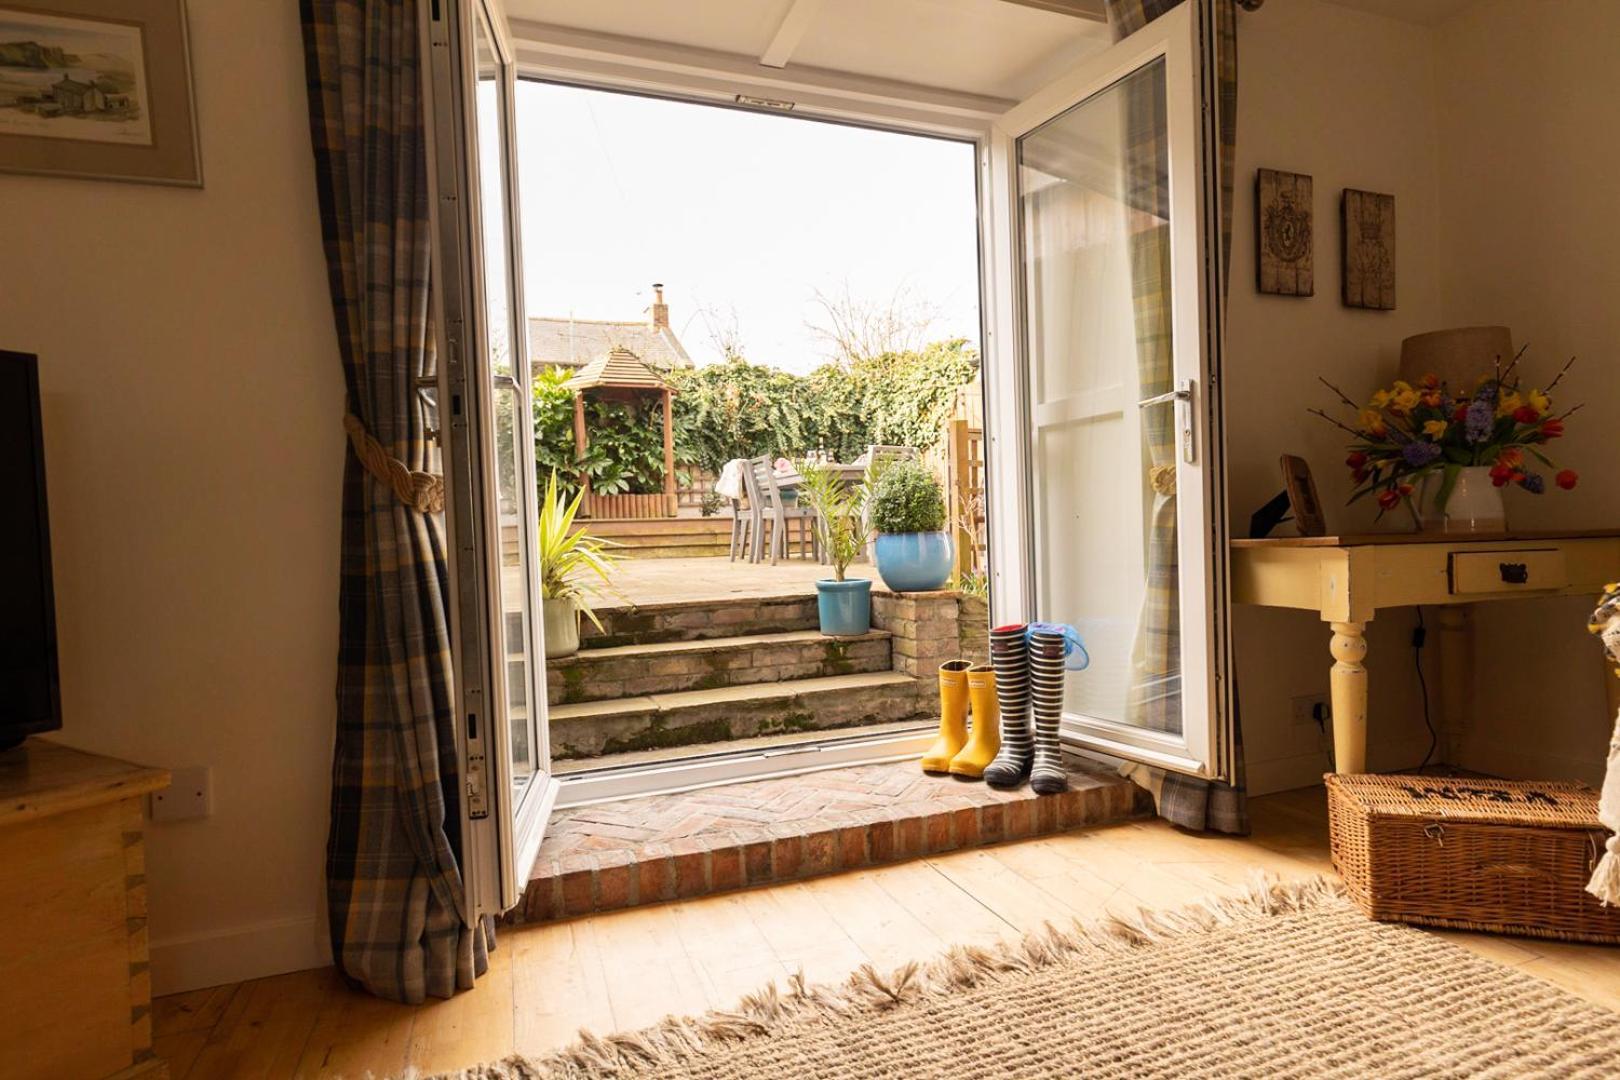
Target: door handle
(1182,398)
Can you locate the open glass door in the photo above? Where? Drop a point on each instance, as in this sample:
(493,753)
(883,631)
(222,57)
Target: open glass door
(1105,277)
(488,442)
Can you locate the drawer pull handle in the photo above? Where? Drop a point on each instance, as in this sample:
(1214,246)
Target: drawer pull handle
(1515,573)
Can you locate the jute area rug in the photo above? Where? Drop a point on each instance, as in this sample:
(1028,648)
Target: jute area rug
(1285,981)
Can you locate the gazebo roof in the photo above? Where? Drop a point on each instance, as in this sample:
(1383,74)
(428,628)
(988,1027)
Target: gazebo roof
(620,369)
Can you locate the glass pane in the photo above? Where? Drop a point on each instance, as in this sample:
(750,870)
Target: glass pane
(513,452)
(1095,235)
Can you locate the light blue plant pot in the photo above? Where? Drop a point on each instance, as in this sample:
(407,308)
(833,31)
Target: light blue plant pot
(914,562)
(845,607)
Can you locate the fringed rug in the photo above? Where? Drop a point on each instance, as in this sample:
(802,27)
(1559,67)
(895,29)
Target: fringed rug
(1285,981)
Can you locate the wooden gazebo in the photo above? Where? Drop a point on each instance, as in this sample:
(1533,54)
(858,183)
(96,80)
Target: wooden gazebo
(621,375)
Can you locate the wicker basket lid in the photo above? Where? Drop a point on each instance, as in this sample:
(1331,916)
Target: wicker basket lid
(1550,804)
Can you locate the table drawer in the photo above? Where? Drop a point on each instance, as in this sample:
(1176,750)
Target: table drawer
(1483,573)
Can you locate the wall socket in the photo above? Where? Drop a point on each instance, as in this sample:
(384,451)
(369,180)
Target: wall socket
(190,794)
(1307,708)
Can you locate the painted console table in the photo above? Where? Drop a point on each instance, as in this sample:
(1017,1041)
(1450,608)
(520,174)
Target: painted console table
(1347,579)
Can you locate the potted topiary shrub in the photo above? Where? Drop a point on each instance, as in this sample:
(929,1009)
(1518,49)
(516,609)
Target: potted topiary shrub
(907,511)
(566,558)
(844,605)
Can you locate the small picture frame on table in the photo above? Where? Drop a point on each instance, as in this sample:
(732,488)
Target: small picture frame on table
(1302,497)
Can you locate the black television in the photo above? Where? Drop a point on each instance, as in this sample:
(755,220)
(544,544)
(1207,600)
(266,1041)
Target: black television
(30,692)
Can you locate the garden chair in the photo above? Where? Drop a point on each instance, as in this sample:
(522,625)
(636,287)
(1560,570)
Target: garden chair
(765,503)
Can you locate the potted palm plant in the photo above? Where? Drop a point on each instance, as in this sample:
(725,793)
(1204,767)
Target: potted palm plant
(566,558)
(907,510)
(844,605)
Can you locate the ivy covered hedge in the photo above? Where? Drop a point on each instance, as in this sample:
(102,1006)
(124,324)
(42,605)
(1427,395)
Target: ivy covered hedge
(739,409)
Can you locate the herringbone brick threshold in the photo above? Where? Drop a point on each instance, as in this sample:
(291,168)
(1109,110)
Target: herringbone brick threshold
(674,847)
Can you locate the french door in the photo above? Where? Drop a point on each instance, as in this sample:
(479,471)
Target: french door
(486,433)
(1103,222)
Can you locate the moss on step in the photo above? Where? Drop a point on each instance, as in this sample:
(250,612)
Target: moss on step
(656,736)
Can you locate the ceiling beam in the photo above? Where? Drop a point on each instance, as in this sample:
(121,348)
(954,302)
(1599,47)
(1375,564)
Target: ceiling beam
(795,24)
(1080,9)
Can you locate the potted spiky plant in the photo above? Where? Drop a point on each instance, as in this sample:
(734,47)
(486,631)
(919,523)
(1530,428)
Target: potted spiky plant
(567,558)
(844,605)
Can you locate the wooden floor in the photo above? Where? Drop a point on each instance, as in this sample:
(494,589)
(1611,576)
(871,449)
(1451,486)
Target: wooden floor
(629,969)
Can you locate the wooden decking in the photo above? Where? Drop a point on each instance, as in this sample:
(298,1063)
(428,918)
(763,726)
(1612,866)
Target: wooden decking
(640,582)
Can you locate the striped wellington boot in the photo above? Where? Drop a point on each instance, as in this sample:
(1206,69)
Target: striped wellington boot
(1046,677)
(1009,656)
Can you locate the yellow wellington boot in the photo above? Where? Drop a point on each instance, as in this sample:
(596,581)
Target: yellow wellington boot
(985,740)
(953,706)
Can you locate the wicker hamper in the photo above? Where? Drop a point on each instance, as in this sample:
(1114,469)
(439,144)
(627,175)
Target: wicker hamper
(1500,855)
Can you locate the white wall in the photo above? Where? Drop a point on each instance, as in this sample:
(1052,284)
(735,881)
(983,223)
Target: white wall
(1347,98)
(192,399)
(1529,108)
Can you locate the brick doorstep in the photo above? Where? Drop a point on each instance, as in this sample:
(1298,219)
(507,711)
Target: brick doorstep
(697,843)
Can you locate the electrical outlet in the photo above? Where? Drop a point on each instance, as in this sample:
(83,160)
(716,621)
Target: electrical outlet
(190,794)
(1307,708)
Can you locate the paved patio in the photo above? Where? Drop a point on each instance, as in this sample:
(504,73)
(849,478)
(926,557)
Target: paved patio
(671,581)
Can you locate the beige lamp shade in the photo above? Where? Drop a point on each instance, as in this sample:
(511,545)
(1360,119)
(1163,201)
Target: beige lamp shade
(1459,357)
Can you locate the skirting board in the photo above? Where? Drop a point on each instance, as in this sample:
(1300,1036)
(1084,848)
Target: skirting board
(196,961)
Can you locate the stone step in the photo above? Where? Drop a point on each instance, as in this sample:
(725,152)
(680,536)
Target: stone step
(699,620)
(692,717)
(669,667)
(676,846)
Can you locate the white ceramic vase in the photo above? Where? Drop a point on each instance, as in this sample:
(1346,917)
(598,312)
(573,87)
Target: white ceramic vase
(1475,505)
(561,619)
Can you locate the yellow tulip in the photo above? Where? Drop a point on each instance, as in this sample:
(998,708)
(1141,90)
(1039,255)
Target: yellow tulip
(1372,422)
(1380,399)
(1404,399)
(1540,402)
(1435,429)
(1509,402)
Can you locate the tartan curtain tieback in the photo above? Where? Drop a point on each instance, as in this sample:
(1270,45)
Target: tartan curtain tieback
(421,491)
(1163,479)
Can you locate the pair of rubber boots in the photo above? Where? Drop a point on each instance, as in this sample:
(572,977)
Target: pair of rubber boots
(964,685)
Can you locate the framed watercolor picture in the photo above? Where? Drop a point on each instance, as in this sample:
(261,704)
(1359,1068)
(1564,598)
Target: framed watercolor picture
(98,89)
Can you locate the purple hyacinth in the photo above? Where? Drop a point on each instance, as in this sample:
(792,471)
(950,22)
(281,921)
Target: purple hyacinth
(1534,483)
(1480,420)
(1419,454)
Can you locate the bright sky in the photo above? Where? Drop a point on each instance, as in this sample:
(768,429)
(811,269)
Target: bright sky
(741,215)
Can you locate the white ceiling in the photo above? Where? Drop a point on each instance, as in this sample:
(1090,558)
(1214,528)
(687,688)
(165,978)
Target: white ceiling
(1422,12)
(988,47)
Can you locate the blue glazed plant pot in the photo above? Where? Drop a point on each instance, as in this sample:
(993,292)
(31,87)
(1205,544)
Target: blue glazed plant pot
(845,607)
(914,562)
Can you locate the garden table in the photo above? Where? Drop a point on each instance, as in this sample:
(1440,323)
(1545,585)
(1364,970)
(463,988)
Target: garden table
(849,474)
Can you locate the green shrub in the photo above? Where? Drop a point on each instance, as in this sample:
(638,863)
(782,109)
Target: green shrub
(907,498)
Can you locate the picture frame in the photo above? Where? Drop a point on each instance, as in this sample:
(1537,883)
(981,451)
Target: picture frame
(98,90)
(1285,258)
(1367,229)
(1302,498)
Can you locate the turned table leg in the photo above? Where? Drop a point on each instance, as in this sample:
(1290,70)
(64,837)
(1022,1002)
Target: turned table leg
(1348,683)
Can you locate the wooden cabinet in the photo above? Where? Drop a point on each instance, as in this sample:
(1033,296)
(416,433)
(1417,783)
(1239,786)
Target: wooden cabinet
(75,992)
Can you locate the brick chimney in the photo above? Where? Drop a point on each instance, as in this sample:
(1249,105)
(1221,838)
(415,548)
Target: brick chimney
(660,310)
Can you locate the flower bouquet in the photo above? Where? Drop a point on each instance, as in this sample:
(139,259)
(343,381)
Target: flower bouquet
(1408,433)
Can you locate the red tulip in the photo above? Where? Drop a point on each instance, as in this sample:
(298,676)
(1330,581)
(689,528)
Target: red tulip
(1567,479)
(1526,414)
(1429,382)
(1356,460)
(1388,499)
(1460,413)
(1552,427)
(1512,457)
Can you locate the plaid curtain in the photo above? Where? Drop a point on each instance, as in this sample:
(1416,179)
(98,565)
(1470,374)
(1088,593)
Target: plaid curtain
(394,887)
(1155,692)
